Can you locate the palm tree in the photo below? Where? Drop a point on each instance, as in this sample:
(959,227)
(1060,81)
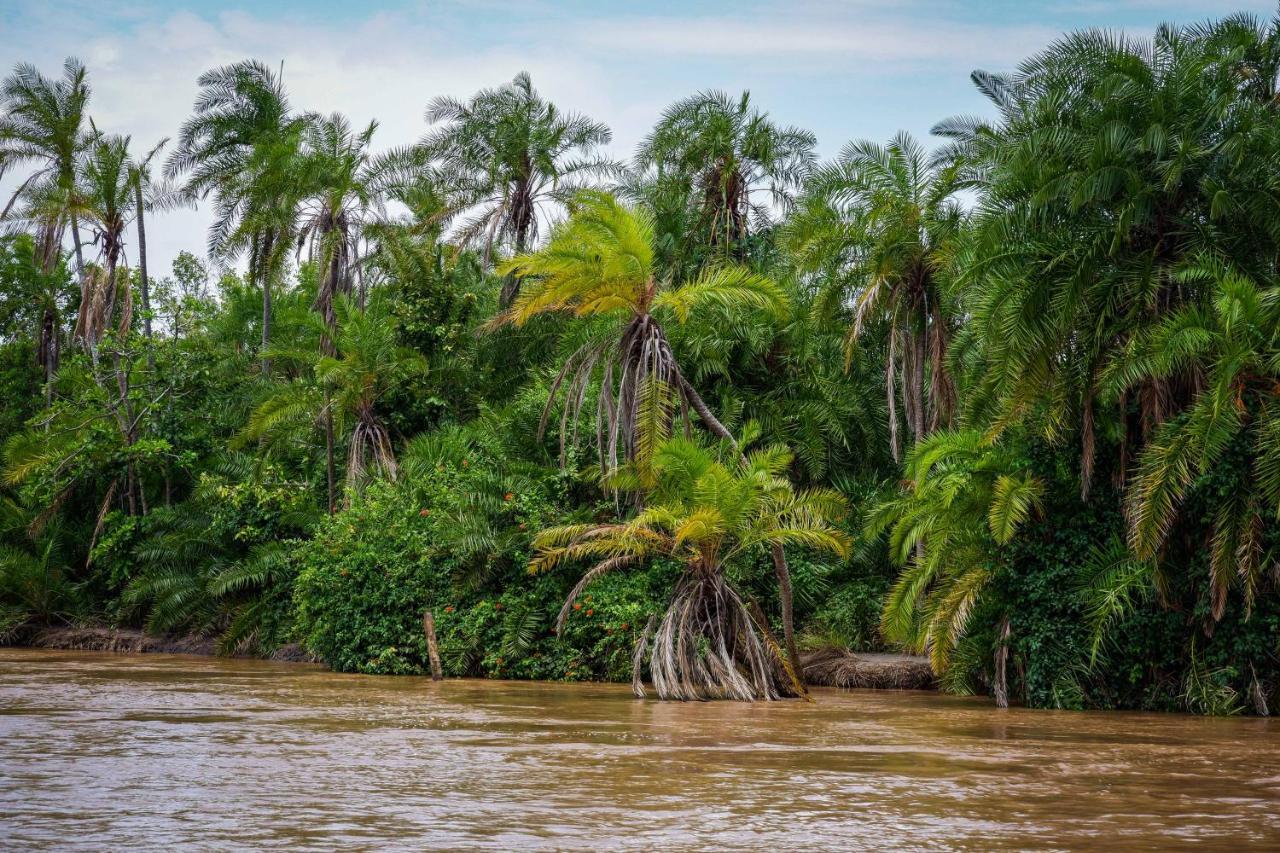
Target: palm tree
(35,572)
(1234,344)
(342,194)
(510,157)
(962,497)
(881,225)
(1116,161)
(707,160)
(713,641)
(348,386)
(600,263)
(42,122)
(107,200)
(147,195)
(242,146)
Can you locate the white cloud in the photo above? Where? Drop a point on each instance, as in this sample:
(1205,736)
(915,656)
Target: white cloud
(826,41)
(387,67)
(848,70)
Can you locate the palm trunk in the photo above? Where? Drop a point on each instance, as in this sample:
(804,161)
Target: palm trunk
(48,353)
(47,252)
(917,384)
(124,408)
(328,457)
(1001,685)
(891,395)
(522,213)
(142,276)
(75,239)
(264,273)
(941,391)
(781,570)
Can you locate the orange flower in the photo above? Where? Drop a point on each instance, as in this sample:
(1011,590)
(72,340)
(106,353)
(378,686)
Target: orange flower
(449,609)
(508,497)
(577,605)
(497,605)
(424,512)
(623,626)
(591,612)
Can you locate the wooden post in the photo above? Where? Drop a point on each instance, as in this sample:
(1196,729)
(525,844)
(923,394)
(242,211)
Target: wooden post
(433,652)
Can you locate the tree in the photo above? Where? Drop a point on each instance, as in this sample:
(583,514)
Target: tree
(241,145)
(508,156)
(147,195)
(107,202)
(600,263)
(107,194)
(43,122)
(881,225)
(706,160)
(343,192)
(962,498)
(347,386)
(1115,162)
(25,289)
(712,642)
(1229,434)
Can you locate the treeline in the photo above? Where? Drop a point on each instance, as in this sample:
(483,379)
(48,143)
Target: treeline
(1011,402)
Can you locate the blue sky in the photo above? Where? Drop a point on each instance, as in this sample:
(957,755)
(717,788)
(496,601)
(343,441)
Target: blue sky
(850,70)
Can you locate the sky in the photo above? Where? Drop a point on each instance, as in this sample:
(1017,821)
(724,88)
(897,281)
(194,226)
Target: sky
(858,69)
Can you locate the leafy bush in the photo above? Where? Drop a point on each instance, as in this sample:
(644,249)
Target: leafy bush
(454,538)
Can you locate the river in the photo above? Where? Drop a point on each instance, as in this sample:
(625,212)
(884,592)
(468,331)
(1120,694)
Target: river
(103,752)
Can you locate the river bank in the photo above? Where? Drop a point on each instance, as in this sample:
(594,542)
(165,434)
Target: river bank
(129,641)
(822,667)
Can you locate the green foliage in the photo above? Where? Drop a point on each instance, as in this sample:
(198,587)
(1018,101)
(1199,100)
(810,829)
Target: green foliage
(1078,366)
(453,537)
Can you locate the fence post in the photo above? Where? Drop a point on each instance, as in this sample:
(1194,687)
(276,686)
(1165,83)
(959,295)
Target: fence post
(433,652)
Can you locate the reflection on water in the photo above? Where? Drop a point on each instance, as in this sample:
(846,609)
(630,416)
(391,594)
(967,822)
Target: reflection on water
(101,752)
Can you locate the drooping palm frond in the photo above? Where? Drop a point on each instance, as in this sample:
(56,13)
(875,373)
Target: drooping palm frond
(963,497)
(704,514)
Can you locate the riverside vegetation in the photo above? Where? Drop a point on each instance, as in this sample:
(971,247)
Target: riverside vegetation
(1011,403)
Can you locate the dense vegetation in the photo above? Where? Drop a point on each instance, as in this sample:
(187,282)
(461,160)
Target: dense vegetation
(1012,403)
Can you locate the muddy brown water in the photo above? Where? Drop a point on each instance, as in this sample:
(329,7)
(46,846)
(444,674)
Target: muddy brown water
(99,751)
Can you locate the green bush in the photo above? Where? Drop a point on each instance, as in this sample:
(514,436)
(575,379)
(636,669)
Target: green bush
(454,539)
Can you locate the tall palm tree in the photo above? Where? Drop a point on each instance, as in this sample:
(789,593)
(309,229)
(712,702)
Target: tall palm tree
(42,121)
(107,201)
(707,162)
(147,195)
(881,224)
(241,145)
(601,263)
(511,157)
(342,194)
(1234,343)
(712,642)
